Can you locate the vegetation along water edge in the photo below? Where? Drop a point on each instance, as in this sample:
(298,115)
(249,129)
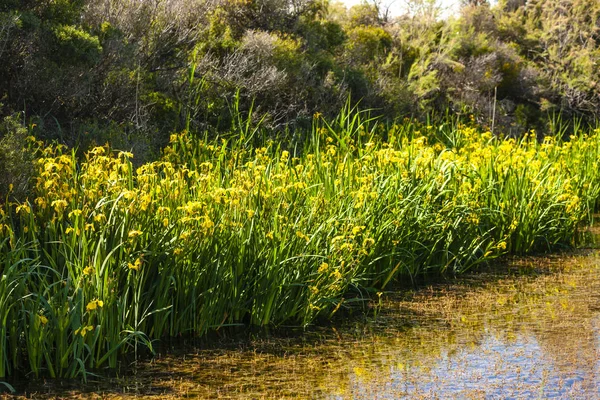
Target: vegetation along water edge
(104,258)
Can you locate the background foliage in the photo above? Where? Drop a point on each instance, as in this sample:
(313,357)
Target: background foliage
(132,72)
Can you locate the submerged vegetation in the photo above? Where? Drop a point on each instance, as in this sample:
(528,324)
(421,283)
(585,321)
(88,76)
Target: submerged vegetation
(105,257)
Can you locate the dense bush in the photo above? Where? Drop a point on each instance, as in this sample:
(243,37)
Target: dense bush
(145,69)
(16,160)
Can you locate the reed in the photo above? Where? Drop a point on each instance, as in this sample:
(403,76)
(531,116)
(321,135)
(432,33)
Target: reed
(107,258)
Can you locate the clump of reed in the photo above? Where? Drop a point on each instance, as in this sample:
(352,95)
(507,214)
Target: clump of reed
(106,258)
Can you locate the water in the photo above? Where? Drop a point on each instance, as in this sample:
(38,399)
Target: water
(499,333)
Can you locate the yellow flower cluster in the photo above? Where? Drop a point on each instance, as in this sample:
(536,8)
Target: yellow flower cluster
(136,266)
(94,304)
(367,206)
(84,330)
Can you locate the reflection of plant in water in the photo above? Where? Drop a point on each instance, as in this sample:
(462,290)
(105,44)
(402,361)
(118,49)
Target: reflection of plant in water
(552,311)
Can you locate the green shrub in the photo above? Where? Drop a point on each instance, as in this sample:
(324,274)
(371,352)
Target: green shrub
(76,45)
(16,160)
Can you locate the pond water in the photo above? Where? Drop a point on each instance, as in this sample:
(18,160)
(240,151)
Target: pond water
(527,329)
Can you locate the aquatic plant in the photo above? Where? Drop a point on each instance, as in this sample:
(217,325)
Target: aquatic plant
(106,257)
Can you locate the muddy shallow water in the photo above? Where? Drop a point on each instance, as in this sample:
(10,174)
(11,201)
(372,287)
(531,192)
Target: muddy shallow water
(529,329)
